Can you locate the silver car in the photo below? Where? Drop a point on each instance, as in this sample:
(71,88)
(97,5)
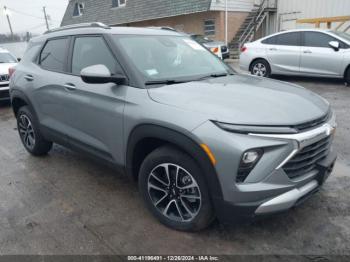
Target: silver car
(321,53)
(200,140)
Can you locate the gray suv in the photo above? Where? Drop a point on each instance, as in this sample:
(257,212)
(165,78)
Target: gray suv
(202,141)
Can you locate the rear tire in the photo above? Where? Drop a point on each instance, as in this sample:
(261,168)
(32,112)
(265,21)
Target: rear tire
(260,67)
(174,190)
(347,76)
(29,132)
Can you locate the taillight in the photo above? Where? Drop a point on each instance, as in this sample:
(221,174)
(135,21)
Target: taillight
(11,71)
(243,49)
(214,50)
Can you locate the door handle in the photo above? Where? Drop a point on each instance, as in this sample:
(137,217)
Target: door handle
(69,86)
(273,49)
(307,52)
(29,77)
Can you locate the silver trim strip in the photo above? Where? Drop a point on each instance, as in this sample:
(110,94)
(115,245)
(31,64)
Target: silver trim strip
(286,200)
(304,139)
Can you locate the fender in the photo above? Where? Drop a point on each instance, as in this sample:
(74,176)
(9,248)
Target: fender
(15,93)
(181,141)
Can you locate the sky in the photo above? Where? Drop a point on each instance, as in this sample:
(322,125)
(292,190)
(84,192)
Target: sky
(27,15)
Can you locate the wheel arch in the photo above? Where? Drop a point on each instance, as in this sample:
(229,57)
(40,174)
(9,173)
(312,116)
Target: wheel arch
(147,137)
(256,59)
(19,99)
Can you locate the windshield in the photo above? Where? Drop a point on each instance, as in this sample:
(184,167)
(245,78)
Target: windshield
(344,35)
(201,39)
(7,58)
(169,57)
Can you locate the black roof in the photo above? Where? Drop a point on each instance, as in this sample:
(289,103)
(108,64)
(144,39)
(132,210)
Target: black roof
(133,11)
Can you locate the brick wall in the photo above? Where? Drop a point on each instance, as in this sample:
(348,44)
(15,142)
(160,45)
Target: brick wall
(194,23)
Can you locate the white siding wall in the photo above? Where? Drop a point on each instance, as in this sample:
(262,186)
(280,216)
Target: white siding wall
(233,5)
(310,9)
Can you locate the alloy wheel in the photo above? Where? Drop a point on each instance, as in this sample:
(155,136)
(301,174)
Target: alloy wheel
(259,69)
(26,131)
(174,192)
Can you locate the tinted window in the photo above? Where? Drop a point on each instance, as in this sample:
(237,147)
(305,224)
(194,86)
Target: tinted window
(270,41)
(53,57)
(289,39)
(90,51)
(315,39)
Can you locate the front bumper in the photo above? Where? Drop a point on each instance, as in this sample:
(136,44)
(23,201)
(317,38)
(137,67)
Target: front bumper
(4,92)
(229,212)
(268,188)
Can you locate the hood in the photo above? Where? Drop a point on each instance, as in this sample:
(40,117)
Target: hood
(241,99)
(4,68)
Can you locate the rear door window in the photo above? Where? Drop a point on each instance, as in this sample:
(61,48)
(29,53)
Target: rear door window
(53,57)
(287,39)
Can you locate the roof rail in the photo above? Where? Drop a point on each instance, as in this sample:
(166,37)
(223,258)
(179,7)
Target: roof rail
(82,25)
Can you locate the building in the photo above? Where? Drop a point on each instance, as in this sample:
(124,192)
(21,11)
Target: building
(205,17)
(246,19)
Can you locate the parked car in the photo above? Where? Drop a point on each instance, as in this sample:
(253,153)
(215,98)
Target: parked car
(201,140)
(218,48)
(309,52)
(7,61)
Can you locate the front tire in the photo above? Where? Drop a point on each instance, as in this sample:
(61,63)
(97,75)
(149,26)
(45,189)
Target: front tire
(260,68)
(347,76)
(29,132)
(174,190)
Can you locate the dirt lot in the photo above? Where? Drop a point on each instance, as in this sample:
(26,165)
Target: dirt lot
(67,204)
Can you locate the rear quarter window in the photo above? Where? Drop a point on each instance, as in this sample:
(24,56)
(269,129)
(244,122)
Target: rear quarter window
(53,57)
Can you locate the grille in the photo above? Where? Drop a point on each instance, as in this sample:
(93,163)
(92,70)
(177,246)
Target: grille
(306,160)
(223,49)
(313,123)
(4,78)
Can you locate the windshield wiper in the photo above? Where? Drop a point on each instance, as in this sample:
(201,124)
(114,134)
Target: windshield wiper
(164,82)
(212,76)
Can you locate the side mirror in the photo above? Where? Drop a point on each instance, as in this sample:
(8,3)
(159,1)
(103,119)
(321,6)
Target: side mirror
(335,45)
(100,74)
(19,59)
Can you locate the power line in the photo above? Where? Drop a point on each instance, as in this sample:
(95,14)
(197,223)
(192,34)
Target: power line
(25,14)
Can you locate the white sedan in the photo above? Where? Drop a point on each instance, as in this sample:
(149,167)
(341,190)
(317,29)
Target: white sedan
(308,52)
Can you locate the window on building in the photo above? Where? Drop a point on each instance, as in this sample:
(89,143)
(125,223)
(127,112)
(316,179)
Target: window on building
(209,27)
(53,57)
(90,51)
(78,9)
(118,3)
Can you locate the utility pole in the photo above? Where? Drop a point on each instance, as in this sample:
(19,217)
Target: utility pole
(46,20)
(226,22)
(8,20)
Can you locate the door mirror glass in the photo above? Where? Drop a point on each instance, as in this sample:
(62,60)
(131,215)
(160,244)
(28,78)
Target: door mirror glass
(100,74)
(335,45)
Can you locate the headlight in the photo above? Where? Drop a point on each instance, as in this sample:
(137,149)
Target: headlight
(249,160)
(247,129)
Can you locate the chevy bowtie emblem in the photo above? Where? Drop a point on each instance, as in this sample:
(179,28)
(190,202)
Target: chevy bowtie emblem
(330,130)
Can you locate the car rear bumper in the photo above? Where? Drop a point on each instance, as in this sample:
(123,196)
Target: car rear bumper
(226,55)
(4,93)
(232,212)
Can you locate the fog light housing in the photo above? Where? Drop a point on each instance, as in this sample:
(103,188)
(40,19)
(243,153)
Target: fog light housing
(249,160)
